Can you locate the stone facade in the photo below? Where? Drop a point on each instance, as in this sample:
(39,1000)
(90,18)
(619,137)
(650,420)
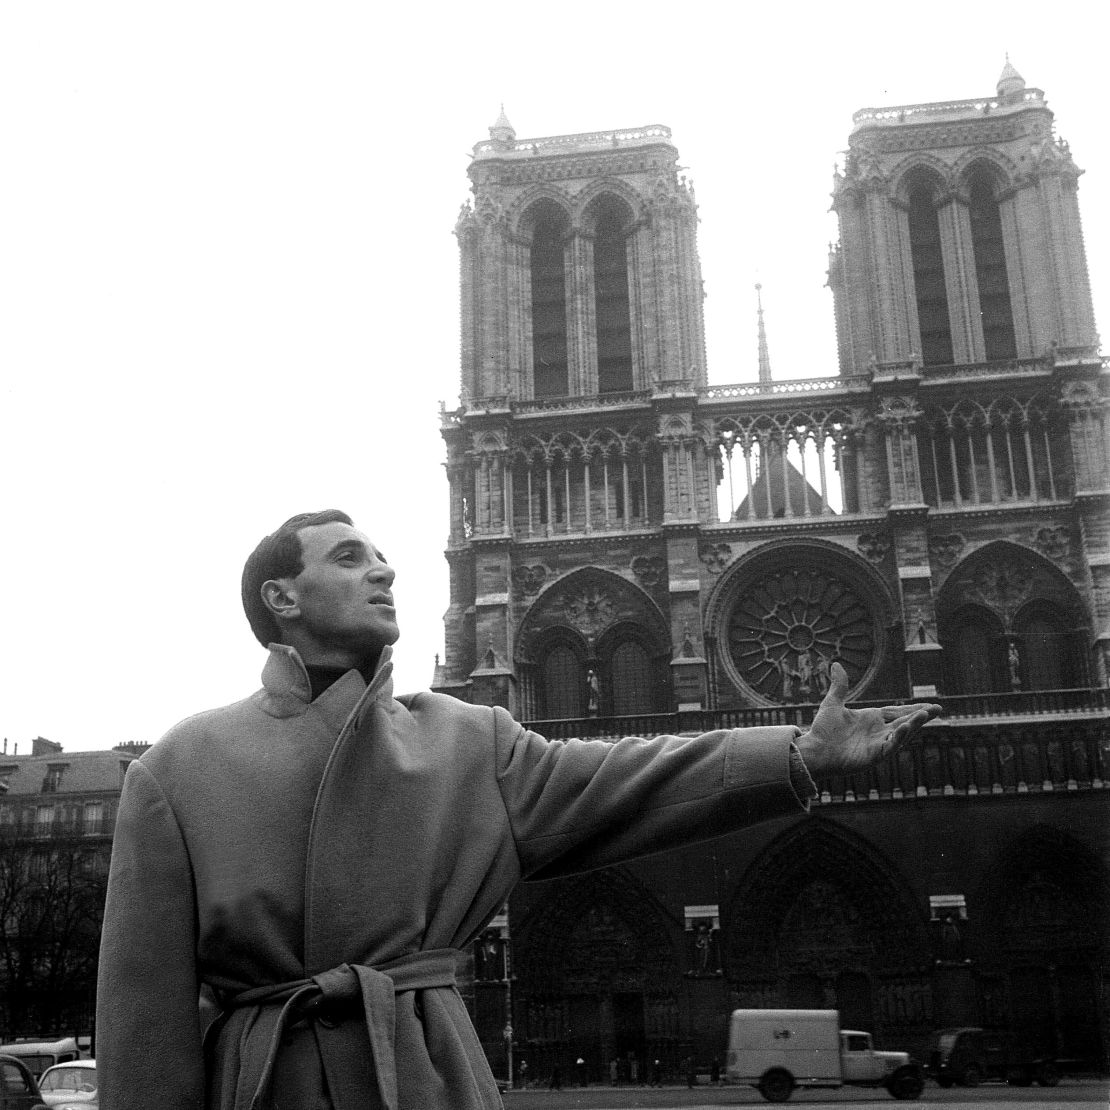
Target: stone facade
(633,549)
(57,817)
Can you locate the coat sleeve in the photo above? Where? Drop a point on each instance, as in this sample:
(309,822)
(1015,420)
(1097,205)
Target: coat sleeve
(576,805)
(148,1044)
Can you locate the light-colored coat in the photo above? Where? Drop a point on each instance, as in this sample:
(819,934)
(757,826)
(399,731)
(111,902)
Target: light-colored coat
(279,838)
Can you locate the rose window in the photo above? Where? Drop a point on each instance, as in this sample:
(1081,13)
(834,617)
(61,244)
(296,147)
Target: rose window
(789,627)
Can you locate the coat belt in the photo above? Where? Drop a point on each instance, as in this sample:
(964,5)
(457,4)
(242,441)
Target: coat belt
(354,986)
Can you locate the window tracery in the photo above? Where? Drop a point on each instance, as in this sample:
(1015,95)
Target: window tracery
(788,625)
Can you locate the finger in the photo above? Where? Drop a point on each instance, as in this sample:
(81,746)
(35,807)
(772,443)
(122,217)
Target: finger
(838,685)
(906,726)
(893,712)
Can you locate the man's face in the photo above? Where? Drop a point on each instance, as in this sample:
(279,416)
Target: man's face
(343,594)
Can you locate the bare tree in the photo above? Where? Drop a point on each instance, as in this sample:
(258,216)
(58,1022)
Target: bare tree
(51,908)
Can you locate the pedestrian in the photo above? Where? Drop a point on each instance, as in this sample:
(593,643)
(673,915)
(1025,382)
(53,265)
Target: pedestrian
(691,1072)
(656,1074)
(556,1083)
(580,1067)
(634,1067)
(614,1072)
(310,860)
(522,1073)
(715,1072)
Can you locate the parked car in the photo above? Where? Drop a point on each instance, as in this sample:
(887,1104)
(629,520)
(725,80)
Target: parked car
(70,1086)
(18,1089)
(970,1055)
(40,1053)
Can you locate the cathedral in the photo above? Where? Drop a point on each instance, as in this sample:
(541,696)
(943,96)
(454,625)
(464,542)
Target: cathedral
(636,550)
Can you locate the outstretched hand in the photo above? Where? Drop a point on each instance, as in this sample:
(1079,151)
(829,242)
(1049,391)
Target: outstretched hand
(842,740)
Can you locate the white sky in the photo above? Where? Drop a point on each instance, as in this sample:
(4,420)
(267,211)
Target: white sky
(228,280)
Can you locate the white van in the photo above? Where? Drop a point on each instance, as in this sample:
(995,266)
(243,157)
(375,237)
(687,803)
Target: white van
(40,1055)
(778,1050)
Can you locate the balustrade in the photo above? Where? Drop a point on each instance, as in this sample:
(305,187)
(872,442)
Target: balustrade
(1034,742)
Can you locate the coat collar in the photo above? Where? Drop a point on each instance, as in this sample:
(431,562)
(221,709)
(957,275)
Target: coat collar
(287,691)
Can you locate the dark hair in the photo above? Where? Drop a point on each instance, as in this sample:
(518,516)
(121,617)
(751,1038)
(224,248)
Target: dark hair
(279,555)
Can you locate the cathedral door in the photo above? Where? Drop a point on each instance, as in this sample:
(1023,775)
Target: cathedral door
(628,1024)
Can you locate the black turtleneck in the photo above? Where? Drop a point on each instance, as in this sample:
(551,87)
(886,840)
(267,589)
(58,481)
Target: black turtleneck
(321,677)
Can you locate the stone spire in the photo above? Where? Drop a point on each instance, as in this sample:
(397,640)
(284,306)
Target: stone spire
(1011,84)
(502,131)
(764,355)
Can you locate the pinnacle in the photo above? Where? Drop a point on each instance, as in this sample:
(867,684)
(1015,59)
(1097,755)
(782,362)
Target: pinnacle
(502,122)
(1010,80)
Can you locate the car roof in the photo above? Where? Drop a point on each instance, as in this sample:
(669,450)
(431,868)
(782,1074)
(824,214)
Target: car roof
(72,1064)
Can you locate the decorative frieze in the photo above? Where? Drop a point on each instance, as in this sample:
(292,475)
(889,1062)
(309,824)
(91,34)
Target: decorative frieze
(716,557)
(529,580)
(873,546)
(648,569)
(945,550)
(1053,542)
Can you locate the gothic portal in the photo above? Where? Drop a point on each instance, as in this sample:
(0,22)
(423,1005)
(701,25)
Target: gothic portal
(634,549)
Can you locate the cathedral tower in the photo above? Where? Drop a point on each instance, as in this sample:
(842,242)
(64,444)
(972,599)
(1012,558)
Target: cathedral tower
(581,317)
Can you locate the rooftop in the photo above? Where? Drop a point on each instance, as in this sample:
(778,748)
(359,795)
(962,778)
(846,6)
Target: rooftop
(652,134)
(947,110)
(81,772)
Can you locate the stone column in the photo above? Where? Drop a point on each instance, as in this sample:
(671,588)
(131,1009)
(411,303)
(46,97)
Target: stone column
(959,279)
(581,315)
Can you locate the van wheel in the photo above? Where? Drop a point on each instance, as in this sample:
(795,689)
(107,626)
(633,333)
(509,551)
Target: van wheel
(1019,1077)
(776,1085)
(972,1076)
(906,1082)
(1047,1075)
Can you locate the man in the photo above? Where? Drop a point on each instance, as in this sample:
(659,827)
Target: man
(309,860)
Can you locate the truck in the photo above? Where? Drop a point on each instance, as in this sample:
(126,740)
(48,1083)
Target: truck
(970,1055)
(777,1051)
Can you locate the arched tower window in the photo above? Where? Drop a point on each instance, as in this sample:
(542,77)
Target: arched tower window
(976,652)
(562,683)
(631,680)
(614,329)
(549,306)
(1047,650)
(990,269)
(928,277)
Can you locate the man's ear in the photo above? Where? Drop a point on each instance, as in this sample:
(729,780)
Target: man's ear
(280,597)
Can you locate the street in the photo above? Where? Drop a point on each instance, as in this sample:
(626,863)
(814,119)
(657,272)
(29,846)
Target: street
(992,1096)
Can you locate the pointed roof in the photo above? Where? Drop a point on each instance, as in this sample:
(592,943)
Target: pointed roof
(1010,82)
(768,499)
(502,129)
(764,354)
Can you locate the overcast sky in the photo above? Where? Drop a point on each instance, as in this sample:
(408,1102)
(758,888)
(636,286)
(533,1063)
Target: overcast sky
(229,284)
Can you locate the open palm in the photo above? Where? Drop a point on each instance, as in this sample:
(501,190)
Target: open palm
(842,740)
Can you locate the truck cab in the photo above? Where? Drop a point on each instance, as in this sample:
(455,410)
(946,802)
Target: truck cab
(861,1064)
(777,1051)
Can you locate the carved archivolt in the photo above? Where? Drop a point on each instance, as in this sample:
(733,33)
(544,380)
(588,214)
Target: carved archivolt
(600,934)
(589,601)
(1003,578)
(822,900)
